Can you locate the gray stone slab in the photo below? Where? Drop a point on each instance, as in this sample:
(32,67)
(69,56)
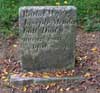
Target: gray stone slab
(21,81)
(47,37)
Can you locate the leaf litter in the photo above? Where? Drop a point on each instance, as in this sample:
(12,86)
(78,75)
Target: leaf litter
(87,65)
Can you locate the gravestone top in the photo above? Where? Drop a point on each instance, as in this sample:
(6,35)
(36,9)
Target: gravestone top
(47,37)
(48,7)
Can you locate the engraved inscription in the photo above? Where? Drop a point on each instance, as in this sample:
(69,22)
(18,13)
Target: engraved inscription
(44,28)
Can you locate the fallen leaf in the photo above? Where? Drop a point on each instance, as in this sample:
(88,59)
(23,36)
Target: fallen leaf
(30,74)
(14,45)
(85,57)
(87,75)
(99,61)
(52,84)
(93,35)
(45,76)
(6,80)
(47,87)
(24,88)
(67,89)
(77,89)
(79,58)
(3,77)
(61,89)
(94,49)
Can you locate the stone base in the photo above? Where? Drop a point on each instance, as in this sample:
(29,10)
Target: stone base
(22,81)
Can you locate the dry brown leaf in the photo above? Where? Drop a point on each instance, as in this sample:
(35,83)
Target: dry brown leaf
(67,89)
(3,77)
(99,61)
(24,88)
(87,75)
(94,49)
(47,87)
(85,57)
(61,89)
(46,76)
(23,75)
(6,80)
(93,35)
(14,45)
(52,84)
(30,74)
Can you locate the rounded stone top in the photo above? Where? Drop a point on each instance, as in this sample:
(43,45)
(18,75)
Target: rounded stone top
(48,8)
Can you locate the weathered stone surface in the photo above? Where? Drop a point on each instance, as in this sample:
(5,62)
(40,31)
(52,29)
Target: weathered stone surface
(22,81)
(18,81)
(47,37)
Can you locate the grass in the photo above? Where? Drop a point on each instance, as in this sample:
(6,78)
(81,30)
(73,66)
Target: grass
(88,12)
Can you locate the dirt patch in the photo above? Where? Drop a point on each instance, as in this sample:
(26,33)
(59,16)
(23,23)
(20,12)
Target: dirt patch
(87,61)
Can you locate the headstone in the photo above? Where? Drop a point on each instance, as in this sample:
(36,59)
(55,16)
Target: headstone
(2,46)
(47,37)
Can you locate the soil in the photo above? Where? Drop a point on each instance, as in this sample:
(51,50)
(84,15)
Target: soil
(87,63)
